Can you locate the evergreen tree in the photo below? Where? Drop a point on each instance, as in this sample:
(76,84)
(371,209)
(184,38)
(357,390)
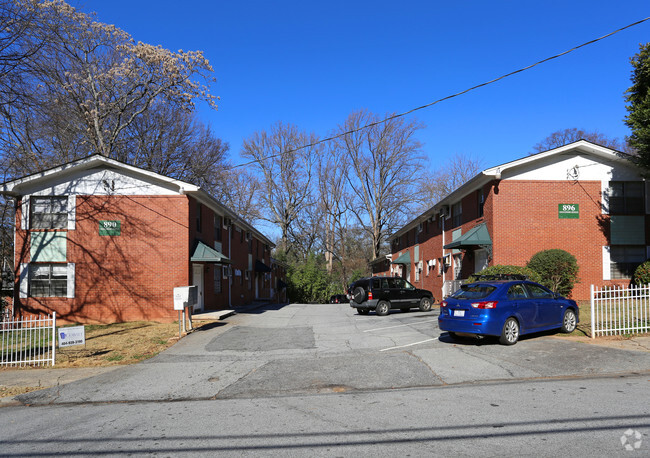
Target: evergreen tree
(638,98)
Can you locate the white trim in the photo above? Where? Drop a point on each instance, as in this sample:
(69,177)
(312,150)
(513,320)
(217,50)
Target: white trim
(607,272)
(72,211)
(24,217)
(24,280)
(71,282)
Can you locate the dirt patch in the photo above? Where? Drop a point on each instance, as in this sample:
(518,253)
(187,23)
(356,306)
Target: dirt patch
(120,343)
(637,343)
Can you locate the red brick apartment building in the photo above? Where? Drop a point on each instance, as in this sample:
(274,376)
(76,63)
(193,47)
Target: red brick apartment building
(583,198)
(100,241)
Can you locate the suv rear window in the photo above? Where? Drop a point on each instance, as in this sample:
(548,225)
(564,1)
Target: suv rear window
(473,292)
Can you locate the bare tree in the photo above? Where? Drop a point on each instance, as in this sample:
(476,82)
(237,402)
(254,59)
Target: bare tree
(172,142)
(566,136)
(332,202)
(454,172)
(84,85)
(385,167)
(285,164)
(241,193)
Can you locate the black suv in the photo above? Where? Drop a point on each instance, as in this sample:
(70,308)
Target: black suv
(384,293)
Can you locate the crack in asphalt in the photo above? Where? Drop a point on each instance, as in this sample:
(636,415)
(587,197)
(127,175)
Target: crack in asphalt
(352,391)
(428,367)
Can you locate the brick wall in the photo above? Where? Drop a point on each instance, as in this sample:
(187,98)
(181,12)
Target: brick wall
(526,221)
(522,219)
(127,277)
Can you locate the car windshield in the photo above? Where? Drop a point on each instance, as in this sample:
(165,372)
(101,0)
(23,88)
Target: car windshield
(473,292)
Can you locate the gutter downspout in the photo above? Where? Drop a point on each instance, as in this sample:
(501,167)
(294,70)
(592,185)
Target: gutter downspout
(230,267)
(442,294)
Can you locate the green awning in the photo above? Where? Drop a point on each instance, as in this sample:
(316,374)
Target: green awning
(261,267)
(404,259)
(477,236)
(204,253)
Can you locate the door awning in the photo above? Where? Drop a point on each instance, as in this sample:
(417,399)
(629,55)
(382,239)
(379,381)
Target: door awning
(477,236)
(261,267)
(404,259)
(204,253)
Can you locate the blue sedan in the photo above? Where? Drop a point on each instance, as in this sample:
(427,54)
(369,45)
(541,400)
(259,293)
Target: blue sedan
(506,308)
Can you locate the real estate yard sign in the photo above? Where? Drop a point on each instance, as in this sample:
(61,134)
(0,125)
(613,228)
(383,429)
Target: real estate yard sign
(568,211)
(74,335)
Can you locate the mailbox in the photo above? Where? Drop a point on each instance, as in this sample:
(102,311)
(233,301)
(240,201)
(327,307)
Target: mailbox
(185,296)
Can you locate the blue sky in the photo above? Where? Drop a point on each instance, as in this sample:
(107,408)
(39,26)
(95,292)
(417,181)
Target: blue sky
(313,63)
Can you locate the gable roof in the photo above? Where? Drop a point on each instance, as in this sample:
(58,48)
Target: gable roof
(20,186)
(501,171)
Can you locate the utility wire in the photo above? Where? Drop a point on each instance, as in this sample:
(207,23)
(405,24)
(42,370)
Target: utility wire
(399,115)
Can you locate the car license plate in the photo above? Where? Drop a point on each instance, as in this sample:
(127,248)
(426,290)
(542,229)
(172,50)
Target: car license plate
(459,312)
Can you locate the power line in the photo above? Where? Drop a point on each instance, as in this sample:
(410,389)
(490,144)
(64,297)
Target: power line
(399,115)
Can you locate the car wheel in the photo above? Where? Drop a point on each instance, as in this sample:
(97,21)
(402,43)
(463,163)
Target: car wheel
(359,294)
(425,304)
(382,308)
(569,321)
(363,311)
(510,332)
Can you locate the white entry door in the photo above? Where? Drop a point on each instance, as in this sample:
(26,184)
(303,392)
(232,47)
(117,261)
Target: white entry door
(480,260)
(197,280)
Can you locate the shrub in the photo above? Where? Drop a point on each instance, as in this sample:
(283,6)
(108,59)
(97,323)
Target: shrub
(558,269)
(505,269)
(309,282)
(642,274)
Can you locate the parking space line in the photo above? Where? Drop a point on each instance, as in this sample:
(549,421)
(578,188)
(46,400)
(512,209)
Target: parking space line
(399,326)
(409,345)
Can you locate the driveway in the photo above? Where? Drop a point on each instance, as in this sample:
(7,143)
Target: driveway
(307,349)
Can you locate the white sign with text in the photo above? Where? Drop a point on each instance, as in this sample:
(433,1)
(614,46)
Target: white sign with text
(75,335)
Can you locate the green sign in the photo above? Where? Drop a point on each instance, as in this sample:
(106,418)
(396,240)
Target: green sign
(110,228)
(568,211)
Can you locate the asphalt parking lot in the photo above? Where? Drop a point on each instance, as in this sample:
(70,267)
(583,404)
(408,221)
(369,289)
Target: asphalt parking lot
(307,349)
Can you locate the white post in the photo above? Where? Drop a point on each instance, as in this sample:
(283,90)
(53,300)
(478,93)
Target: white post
(53,338)
(593,314)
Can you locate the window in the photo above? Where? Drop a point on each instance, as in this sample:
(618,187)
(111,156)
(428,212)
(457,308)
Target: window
(199,220)
(539,292)
(626,198)
(517,292)
(624,259)
(48,280)
(456,214)
(217,227)
(481,201)
(217,279)
(49,212)
(473,292)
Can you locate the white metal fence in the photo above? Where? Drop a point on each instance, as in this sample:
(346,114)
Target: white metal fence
(28,342)
(620,310)
(450,287)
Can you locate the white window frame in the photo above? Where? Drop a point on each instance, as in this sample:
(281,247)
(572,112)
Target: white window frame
(24,281)
(68,217)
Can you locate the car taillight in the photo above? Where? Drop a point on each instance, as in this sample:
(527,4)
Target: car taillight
(443,304)
(369,295)
(485,305)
